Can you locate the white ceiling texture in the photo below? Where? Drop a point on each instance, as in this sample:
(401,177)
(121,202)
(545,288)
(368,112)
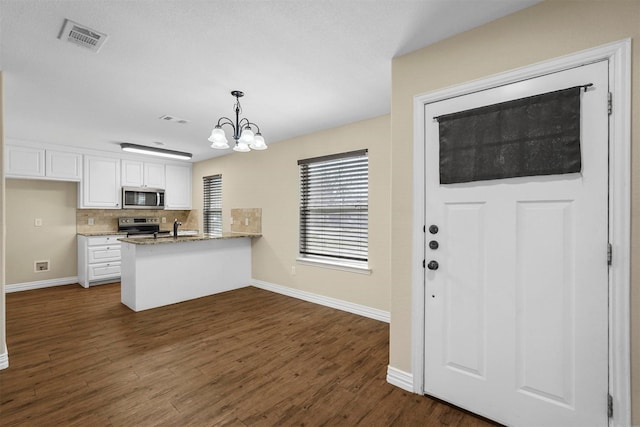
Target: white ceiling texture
(304,65)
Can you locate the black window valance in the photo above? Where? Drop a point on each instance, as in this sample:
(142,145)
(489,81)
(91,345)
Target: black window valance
(537,135)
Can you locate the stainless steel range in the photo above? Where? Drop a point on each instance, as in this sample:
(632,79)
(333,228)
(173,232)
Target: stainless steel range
(141,227)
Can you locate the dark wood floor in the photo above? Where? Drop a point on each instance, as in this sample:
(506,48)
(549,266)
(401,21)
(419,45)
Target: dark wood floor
(243,358)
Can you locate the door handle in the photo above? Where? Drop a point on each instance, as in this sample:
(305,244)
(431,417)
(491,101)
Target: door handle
(433,265)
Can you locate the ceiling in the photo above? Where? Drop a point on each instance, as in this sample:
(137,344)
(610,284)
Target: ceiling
(304,65)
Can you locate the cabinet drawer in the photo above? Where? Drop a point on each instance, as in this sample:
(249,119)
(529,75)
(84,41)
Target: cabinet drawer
(106,270)
(103,240)
(104,253)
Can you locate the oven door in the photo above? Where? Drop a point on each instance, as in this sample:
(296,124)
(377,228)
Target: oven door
(142,198)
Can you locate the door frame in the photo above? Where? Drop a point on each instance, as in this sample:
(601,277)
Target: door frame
(619,56)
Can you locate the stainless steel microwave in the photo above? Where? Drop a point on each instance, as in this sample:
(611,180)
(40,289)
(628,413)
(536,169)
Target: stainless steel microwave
(142,198)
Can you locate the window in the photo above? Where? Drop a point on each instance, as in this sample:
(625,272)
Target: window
(334,209)
(212,209)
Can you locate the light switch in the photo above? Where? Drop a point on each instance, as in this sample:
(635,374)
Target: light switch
(38,222)
(246,221)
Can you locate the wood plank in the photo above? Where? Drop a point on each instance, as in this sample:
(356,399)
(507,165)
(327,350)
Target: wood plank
(246,357)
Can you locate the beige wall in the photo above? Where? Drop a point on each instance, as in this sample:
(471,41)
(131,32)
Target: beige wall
(269,180)
(2,227)
(55,203)
(548,30)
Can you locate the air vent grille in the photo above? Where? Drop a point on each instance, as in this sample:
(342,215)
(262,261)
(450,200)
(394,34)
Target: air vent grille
(168,118)
(81,35)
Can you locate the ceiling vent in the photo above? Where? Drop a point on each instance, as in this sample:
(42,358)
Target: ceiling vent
(82,36)
(168,118)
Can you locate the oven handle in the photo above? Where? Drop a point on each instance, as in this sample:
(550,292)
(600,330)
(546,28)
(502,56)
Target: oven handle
(158,199)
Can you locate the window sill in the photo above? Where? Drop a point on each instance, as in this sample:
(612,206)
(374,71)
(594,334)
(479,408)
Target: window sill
(361,268)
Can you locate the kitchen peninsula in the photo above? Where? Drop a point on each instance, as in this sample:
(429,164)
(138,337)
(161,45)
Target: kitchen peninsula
(166,270)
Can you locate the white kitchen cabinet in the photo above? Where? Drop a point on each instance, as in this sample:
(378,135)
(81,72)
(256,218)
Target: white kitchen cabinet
(63,165)
(30,162)
(178,187)
(24,162)
(98,259)
(142,174)
(101,183)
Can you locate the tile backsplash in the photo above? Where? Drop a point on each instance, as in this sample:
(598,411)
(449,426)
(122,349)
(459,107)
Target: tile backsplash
(107,219)
(246,220)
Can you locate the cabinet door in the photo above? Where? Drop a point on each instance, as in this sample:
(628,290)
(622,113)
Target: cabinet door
(109,270)
(178,187)
(104,253)
(24,161)
(132,173)
(63,165)
(101,183)
(154,175)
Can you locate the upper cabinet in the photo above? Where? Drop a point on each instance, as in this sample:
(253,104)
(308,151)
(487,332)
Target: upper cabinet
(101,186)
(101,178)
(142,174)
(178,187)
(63,165)
(29,162)
(24,162)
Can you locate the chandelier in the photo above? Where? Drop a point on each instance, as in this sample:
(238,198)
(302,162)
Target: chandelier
(243,133)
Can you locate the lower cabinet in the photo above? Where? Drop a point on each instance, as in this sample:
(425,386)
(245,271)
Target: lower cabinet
(98,259)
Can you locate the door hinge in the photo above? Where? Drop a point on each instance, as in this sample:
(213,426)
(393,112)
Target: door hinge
(609,253)
(609,103)
(610,406)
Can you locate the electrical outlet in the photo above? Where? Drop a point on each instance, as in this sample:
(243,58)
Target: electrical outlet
(90,221)
(38,222)
(246,221)
(231,221)
(164,220)
(293,270)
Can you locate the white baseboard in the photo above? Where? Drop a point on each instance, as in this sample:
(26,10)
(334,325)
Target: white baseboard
(399,378)
(361,310)
(27,286)
(4,357)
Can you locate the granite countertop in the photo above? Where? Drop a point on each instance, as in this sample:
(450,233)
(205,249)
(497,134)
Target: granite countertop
(103,233)
(124,233)
(187,238)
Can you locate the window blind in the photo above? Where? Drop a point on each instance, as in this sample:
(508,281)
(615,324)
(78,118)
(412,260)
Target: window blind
(212,209)
(334,205)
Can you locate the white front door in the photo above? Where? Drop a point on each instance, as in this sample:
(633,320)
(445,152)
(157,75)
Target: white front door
(516,314)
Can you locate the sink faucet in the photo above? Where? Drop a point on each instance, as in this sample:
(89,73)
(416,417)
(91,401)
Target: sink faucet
(176,224)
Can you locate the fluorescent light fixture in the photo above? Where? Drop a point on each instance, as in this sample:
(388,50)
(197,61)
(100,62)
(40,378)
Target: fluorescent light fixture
(153,151)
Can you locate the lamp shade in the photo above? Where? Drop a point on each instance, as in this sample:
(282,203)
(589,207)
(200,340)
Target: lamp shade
(246,136)
(217,135)
(258,143)
(241,147)
(220,145)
